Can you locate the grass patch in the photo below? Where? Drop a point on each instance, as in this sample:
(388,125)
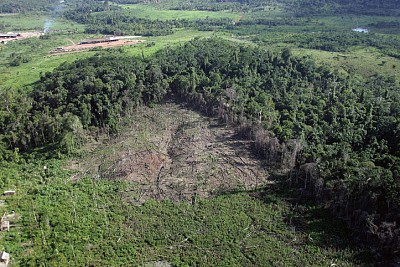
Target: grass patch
(34,22)
(36,51)
(273,11)
(366,61)
(154,12)
(22,22)
(362,61)
(155,43)
(347,22)
(286,24)
(41,61)
(30,72)
(86,223)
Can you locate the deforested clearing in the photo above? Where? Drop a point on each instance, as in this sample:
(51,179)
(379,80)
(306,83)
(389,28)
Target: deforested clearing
(172,152)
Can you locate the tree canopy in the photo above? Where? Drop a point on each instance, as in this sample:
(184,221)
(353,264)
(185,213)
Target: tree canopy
(340,137)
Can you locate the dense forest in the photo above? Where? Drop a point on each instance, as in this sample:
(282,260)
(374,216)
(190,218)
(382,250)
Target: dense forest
(301,8)
(17,6)
(105,18)
(329,139)
(344,41)
(338,137)
(362,7)
(102,18)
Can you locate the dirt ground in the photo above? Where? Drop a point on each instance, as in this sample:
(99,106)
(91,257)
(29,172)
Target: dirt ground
(171,152)
(80,47)
(24,35)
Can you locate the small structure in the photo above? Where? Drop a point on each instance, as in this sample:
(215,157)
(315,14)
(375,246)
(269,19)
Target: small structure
(5,226)
(9,193)
(9,35)
(4,259)
(363,30)
(100,40)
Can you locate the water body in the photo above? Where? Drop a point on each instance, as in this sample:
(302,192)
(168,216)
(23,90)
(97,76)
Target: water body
(364,30)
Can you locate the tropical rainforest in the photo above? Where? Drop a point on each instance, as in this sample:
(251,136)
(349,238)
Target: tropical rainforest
(327,135)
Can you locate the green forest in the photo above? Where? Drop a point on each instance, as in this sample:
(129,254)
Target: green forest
(16,6)
(328,136)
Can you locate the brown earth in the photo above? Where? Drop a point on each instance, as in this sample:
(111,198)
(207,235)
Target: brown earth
(171,152)
(23,35)
(81,47)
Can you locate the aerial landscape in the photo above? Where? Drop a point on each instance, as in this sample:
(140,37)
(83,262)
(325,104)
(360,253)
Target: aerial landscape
(200,133)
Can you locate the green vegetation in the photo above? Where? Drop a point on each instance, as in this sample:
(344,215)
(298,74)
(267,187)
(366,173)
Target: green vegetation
(319,103)
(35,22)
(267,25)
(361,62)
(66,223)
(364,7)
(179,37)
(40,61)
(151,12)
(21,22)
(117,20)
(299,8)
(308,117)
(20,6)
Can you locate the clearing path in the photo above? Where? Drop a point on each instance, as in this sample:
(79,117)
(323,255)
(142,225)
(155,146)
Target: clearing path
(171,152)
(85,46)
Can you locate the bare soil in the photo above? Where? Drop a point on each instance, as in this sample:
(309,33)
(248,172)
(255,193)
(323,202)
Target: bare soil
(171,152)
(82,47)
(23,35)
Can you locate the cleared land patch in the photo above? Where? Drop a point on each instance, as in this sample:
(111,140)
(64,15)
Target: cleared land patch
(170,152)
(366,62)
(7,37)
(101,43)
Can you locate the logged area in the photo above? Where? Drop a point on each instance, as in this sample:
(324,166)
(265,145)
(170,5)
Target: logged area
(95,44)
(173,188)
(310,128)
(171,152)
(200,133)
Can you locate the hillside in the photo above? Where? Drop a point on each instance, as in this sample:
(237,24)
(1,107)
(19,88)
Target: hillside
(212,204)
(329,153)
(234,133)
(173,153)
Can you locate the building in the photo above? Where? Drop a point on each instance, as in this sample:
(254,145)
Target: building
(100,40)
(9,193)
(9,35)
(4,259)
(5,226)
